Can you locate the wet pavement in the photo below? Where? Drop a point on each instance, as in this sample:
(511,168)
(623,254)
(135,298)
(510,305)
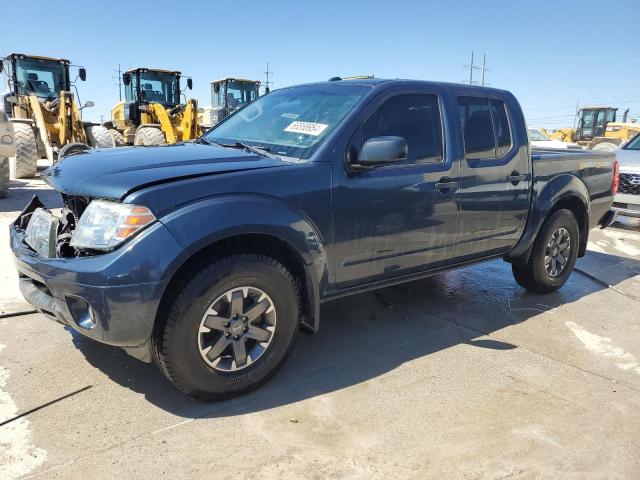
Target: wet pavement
(462,375)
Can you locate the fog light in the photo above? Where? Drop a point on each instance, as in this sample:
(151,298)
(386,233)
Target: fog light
(82,313)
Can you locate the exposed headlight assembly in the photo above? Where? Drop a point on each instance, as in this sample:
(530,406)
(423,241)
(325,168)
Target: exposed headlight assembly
(104,225)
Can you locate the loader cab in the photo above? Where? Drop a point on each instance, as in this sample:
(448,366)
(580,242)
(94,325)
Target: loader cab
(592,122)
(231,94)
(43,77)
(145,85)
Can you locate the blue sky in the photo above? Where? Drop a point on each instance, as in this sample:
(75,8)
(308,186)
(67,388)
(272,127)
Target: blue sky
(550,54)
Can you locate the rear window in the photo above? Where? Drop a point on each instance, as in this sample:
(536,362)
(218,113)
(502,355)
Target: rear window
(485,127)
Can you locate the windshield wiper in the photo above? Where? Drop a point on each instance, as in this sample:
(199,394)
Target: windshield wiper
(262,151)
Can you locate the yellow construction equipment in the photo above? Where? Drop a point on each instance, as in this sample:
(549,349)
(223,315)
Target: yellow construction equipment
(597,129)
(45,113)
(152,113)
(227,96)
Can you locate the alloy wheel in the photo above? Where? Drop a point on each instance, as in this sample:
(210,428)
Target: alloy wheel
(236,329)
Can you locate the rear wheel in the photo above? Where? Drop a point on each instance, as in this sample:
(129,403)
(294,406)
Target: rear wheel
(606,147)
(4,176)
(553,256)
(25,162)
(149,136)
(99,137)
(230,328)
(118,138)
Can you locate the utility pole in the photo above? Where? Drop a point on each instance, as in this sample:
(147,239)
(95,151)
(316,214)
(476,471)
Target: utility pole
(473,67)
(267,83)
(119,78)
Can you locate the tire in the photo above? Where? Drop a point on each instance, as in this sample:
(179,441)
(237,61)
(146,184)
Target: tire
(99,137)
(535,275)
(4,176)
(25,162)
(72,149)
(180,346)
(149,136)
(118,138)
(605,147)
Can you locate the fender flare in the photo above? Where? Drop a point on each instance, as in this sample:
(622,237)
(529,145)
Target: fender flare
(558,189)
(199,225)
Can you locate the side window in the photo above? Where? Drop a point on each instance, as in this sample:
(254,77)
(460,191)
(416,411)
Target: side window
(475,118)
(501,126)
(414,117)
(485,127)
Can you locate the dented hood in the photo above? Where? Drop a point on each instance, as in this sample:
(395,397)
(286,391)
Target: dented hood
(115,172)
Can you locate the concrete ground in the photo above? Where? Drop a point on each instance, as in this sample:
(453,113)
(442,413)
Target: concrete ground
(463,375)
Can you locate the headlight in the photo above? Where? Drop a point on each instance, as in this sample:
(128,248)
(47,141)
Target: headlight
(105,225)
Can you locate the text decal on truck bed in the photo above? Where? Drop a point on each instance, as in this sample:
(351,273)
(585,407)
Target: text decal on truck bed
(308,128)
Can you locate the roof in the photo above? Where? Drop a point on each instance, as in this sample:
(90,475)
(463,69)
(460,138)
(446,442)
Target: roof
(373,82)
(39,57)
(237,79)
(150,69)
(597,107)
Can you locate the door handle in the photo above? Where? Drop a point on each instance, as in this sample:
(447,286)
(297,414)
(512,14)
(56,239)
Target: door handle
(516,178)
(445,185)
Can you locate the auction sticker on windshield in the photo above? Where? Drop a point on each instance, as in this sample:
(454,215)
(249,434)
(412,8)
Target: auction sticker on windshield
(308,128)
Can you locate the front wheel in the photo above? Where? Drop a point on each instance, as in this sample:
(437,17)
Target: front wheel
(149,137)
(553,256)
(230,328)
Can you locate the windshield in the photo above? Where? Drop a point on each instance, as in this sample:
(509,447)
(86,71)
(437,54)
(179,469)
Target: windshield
(159,87)
(634,143)
(538,136)
(42,78)
(238,94)
(290,122)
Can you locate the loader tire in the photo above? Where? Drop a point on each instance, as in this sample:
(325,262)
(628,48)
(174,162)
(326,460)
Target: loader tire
(606,147)
(25,162)
(4,176)
(99,137)
(149,136)
(118,138)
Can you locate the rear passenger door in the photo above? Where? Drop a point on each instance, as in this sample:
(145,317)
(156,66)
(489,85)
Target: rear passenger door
(495,177)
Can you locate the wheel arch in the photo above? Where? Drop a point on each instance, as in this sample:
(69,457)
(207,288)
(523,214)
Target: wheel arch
(251,225)
(562,192)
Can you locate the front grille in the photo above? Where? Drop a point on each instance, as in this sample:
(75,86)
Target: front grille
(629,184)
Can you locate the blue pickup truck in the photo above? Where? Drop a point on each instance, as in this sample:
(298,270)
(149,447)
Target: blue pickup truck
(209,257)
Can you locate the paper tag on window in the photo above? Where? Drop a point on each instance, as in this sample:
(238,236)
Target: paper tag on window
(308,128)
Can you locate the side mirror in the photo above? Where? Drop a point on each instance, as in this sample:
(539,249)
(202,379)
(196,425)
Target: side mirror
(189,83)
(216,87)
(89,104)
(1,66)
(126,78)
(379,151)
(83,74)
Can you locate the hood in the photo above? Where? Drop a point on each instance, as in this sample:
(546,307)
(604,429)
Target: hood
(115,172)
(629,160)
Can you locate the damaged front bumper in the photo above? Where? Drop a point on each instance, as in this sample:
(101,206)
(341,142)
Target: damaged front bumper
(111,297)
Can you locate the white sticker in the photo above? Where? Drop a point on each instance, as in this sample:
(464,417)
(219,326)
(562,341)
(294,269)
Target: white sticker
(308,128)
(292,116)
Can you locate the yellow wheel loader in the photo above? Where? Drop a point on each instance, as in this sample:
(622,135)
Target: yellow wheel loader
(227,96)
(45,113)
(152,113)
(597,129)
